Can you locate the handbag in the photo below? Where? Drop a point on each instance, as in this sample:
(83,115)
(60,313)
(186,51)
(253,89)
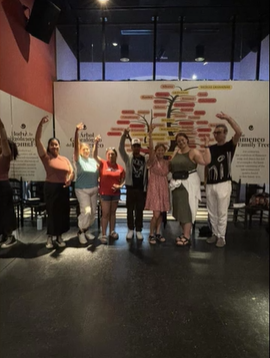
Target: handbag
(180,175)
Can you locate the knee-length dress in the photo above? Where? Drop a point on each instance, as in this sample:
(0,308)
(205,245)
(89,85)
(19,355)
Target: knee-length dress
(157,196)
(185,201)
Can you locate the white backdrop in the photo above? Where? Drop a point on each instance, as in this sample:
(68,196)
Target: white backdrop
(109,107)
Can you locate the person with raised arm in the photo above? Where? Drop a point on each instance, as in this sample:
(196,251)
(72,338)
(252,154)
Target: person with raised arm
(185,184)
(157,195)
(8,152)
(136,184)
(59,175)
(112,179)
(86,186)
(218,178)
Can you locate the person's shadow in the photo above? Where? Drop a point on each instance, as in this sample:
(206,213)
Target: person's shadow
(24,251)
(33,250)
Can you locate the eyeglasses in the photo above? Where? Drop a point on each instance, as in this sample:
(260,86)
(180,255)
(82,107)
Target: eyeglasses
(110,148)
(218,132)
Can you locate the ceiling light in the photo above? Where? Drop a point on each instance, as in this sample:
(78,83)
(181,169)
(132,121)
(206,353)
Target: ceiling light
(199,57)
(136,32)
(115,44)
(103,1)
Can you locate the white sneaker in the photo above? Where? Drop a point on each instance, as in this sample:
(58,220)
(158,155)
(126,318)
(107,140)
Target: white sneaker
(60,242)
(139,235)
(89,236)
(82,238)
(10,241)
(212,239)
(130,235)
(49,244)
(220,242)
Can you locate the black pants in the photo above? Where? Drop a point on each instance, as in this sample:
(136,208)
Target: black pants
(7,213)
(135,205)
(57,207)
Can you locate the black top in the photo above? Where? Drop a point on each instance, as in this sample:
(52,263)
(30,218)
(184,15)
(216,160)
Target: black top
(219,170)
(138,164)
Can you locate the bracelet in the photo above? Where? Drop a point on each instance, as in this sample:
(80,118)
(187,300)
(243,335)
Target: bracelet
(206,146)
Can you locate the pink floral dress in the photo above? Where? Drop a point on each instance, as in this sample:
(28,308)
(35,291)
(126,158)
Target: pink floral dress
(157,197)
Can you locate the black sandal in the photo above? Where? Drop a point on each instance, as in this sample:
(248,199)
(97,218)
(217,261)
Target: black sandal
(182,241)
(152,240)
(160,238)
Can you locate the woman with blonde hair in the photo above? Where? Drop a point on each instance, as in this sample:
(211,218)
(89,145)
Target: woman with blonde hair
(86,186)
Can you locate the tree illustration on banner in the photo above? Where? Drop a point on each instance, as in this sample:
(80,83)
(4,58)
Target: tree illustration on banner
(173,110)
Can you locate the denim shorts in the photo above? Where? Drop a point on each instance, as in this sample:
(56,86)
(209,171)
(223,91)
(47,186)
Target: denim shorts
(110,197)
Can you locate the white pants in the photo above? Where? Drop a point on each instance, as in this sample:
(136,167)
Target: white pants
(87,199)
(218,200)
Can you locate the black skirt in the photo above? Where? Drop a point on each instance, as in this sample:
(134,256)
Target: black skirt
(8,221)
(57,207)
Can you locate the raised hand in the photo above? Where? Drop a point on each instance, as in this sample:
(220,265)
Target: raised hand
(80,126)
(98,138)
(222,115)
(44,120)
(126,131)
(206,141)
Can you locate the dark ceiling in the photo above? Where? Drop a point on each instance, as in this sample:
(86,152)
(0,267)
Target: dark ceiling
(205,22)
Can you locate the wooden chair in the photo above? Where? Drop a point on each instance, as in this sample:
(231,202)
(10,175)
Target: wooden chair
(255,211)
(33,198)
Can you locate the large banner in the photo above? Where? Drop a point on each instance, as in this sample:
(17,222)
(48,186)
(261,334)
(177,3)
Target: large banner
(21,119)
(191,107)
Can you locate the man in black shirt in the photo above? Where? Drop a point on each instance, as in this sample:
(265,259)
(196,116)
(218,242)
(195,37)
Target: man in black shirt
(219,187)
(136,181)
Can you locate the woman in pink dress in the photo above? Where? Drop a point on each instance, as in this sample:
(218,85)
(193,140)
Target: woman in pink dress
(157,197)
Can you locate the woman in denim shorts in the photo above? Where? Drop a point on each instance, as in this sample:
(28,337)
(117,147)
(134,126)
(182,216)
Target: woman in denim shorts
(112,178)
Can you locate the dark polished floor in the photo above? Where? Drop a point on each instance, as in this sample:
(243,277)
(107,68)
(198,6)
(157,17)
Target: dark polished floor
(135,301)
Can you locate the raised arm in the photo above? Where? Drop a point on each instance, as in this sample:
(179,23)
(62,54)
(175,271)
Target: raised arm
(152,153)
(95,149)
(6,151)
(40,147)
(205,158)
(77,141)
(121,148)
(233,124)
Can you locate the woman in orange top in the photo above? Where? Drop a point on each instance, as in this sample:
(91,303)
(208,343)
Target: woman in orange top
(59,175)
(8,152)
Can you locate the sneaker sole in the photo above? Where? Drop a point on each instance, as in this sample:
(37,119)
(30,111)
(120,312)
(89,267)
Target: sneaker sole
(7,246)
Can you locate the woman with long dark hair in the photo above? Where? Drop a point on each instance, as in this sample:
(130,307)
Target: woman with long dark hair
(59,175)
(8,152)
(185,184)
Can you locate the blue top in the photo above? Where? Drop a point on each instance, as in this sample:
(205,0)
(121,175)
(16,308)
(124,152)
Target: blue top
(87,173)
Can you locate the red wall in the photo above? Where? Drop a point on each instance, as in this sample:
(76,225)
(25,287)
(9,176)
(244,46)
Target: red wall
(27,65)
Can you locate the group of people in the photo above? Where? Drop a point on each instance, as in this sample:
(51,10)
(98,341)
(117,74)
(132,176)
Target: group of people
(149,179)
